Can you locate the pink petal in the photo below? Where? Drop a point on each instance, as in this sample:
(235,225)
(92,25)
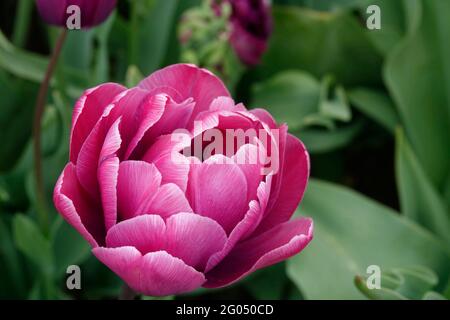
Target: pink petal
(190,82)
(194,238)
(147,233)
(155,274)
(108,171)
(246,226)
(163,274)
(248,160)
(150,114)
(265,117)
(137,183)
(74,205)
(218,191)
(176,116)
(126,262)
(169,199)
(88,111)
(294,178)
(173,166)
(273,246)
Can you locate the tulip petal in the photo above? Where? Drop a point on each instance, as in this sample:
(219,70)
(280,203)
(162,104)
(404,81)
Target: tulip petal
(147,233)
(88,111)
(175,116)
(275,245)
(294,178)
(194,238)
(246,226)
(190,82)
(154,274)
(168,200)
(163,274)
(126,262)
(172,165)
(108,171)
(74,205)
(265,117)
(248,160)
(218,191)
(137,184)
(151,114)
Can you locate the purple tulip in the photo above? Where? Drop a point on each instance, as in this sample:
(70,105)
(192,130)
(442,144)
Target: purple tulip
(93,12)
(166,222)
(251,28)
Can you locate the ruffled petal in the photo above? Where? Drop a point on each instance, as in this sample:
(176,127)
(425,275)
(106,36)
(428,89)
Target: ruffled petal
(190,82)
(218,191)
(77,209)
(294,178)
(137,184)
(275,245)
(194,238)
(88,110)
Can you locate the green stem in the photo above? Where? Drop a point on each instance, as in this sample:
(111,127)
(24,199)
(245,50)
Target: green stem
(37,122)
(22,22)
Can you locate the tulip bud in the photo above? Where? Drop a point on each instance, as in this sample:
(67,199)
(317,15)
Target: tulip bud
(251,22)
(75,14)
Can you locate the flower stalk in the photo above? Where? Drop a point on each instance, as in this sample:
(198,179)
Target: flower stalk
(37,128)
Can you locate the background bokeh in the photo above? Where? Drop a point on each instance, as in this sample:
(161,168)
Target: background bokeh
(372,107)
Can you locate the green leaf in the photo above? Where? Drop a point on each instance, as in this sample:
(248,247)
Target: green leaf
(15,118)
(419,200)
(289,96)
(321,43)
(376,105)
(268,283)
(12,280)
(152,33)
(333,101)
(32,243)
(352,232)
(433,296)
(69,247)
(322,141)
(417,74)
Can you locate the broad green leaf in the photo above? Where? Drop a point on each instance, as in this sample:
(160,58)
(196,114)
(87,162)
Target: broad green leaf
(433,296)
(152,32)
(393,24)
(31,66)
(322,141)
(333,101)
(419,199)
(377,294)
(32,243)
(69,247)
(289,96)
(409,283)
(268,283)
(417,74)
(352,232)
(376,105)
(101,68)
(12,280)
(15,118)
(321,43)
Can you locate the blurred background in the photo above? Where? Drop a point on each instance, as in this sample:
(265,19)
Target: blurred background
(372,107)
